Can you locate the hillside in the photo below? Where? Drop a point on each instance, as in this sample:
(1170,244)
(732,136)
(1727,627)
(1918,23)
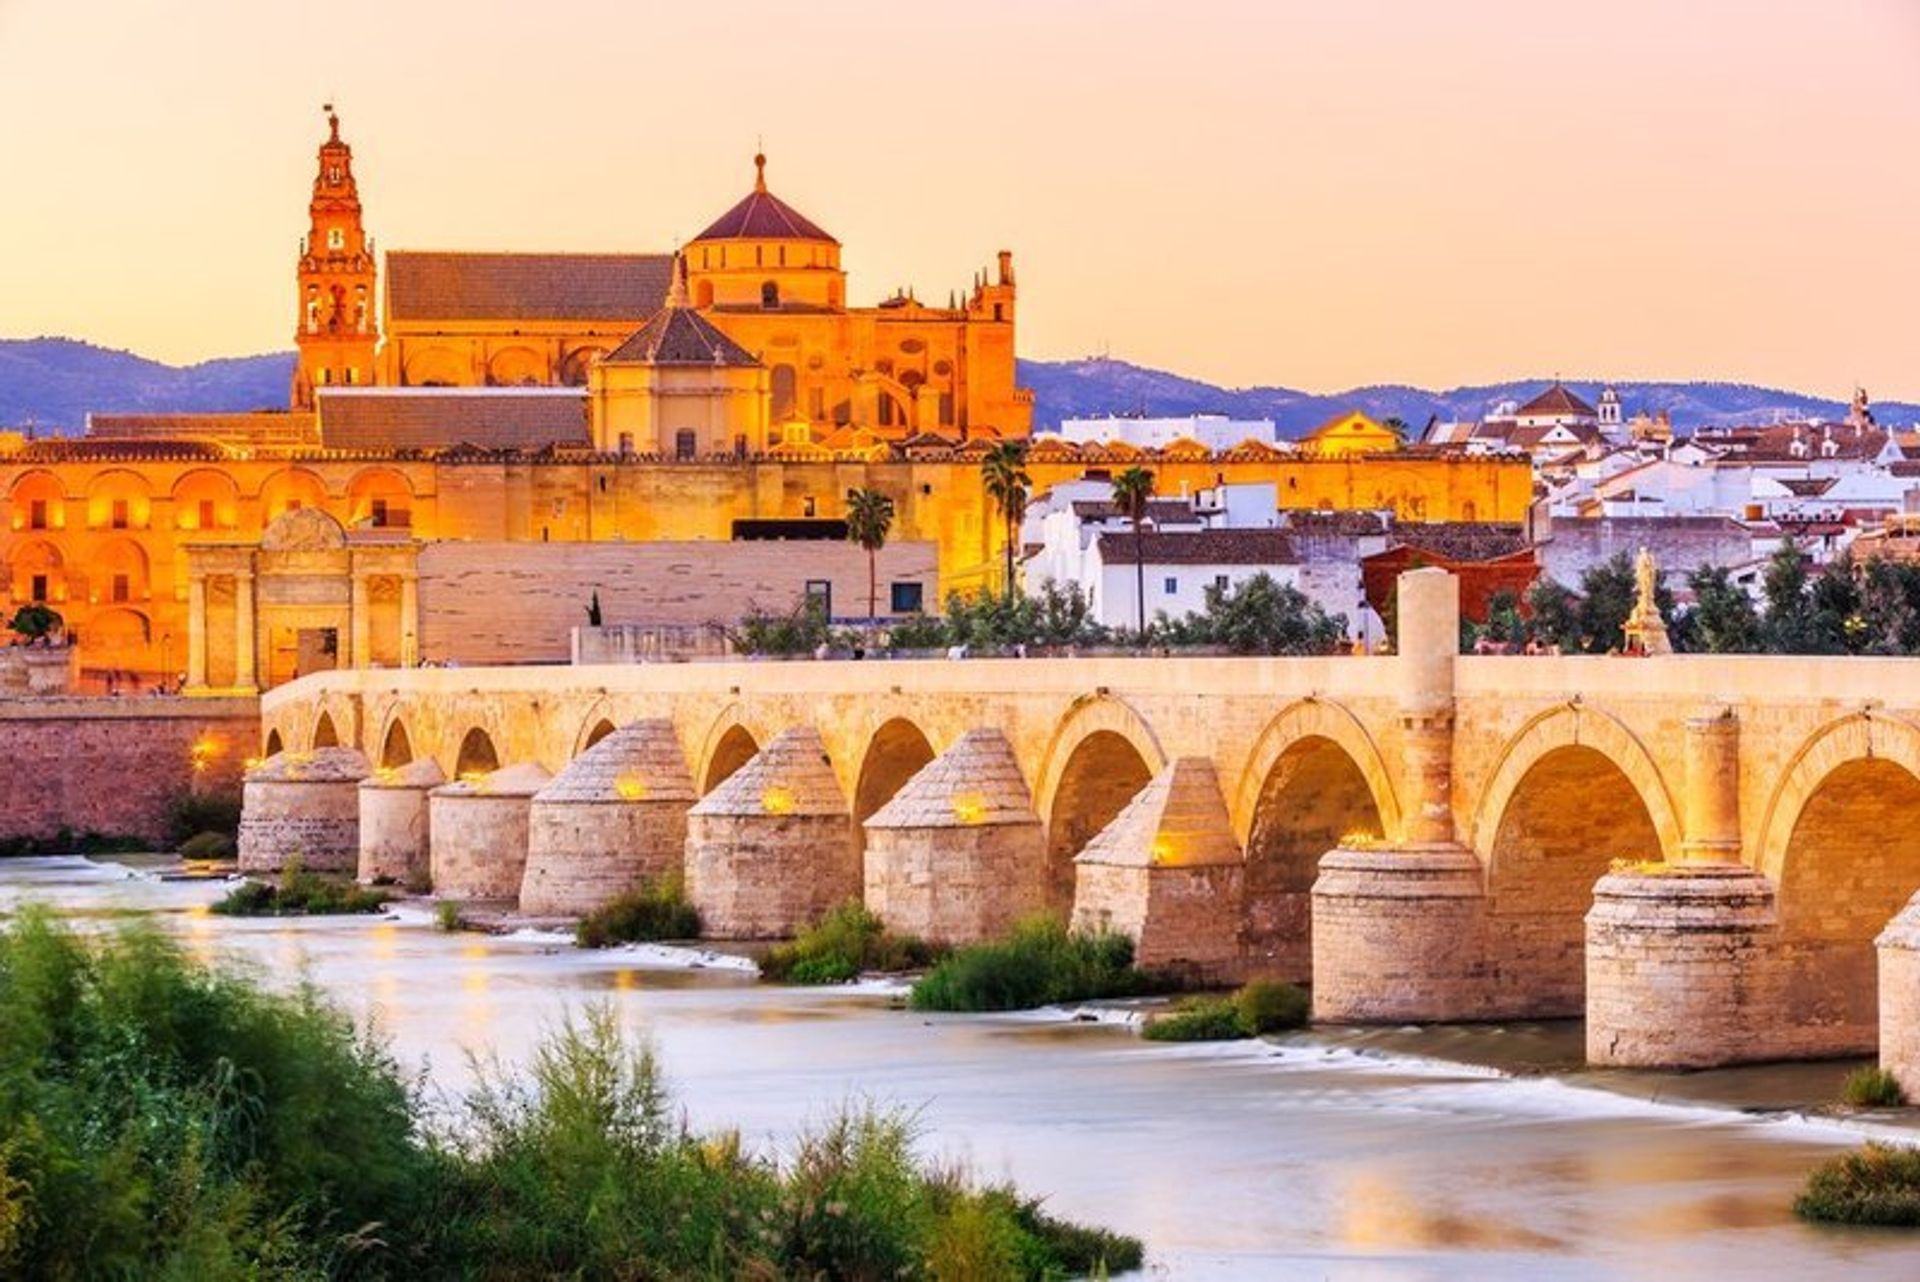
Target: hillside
(52,384)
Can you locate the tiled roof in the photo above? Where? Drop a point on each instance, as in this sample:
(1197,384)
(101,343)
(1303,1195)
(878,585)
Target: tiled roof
(1556,400)
(763,216)
(1462,540)
(977,781)
(1159,511)
(680,336)
(441,418)
(638,762)
(1347,522)
(1178,820)
(431,285)
(1777,442)
(254,427)
(1201,547)
(792,775)
(87,449)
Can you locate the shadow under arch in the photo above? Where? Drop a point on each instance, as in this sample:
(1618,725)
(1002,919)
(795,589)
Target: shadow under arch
(896,751)
(477,755)
(396,748)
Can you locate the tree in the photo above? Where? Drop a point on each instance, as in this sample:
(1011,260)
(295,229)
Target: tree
(1556,620)
(36,622)
(1790,626)
(1608,592)
(869,518)
(1260,616)
(1723,619)
(1004,473)
(1131,490)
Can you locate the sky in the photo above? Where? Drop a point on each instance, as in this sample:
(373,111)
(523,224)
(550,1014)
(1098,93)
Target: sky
(1310,194)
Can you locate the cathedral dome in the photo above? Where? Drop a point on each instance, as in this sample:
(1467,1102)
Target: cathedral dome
(763,216)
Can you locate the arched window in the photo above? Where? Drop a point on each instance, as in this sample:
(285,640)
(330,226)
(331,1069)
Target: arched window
(769,294)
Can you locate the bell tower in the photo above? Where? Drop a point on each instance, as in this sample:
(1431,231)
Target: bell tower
(338,329)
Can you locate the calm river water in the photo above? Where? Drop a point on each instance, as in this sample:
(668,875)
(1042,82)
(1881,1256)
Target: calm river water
(1353,1158)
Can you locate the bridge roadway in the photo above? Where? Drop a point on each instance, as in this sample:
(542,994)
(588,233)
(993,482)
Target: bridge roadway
(1696,852)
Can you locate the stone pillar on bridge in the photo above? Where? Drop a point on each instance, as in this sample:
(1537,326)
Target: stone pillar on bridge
(1899,948)
(395,836)
(477,833)
(1683,963)
(304,804)
(1168,873)
(958,855)
(771,848)
(1400,930)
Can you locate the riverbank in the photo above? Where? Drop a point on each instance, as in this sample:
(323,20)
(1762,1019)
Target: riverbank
(1337,1154)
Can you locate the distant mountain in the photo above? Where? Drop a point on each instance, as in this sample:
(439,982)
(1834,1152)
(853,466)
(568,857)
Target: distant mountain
(1090,388)
(53,383)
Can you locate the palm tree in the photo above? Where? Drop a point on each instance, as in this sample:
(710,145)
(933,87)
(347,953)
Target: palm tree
(1004,473)
(1131,490)
(869,518)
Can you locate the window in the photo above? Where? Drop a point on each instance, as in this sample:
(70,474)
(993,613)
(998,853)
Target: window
(996,312)
(336,239)
(820,591)
(1171,586)
(806,506)
(122,589)
(40,588)
(626,444)
(326,376)
(333,174)
(379,513)
(206,514)
(740,445)
(1222,582)
(684,443)
(353,375)
(120,517)
(907,598)
(37,518)
(769,294)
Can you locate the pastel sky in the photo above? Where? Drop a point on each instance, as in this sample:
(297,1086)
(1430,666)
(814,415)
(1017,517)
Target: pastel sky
(1275,191)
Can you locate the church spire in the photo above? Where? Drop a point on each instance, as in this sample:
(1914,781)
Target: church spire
(760,171)
(336,330)
(677,291)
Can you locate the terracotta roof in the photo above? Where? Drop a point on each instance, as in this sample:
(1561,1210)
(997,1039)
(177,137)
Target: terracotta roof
(255,427)
(1201,547)
(1556,400)
(1159,511)
(680,336)
(763,216)
(85,448)
(442,418)
(1776,442)
(1462,540)
(432,285)
(1348,522)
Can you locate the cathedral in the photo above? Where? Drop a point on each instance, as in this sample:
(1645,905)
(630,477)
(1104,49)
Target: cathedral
(563,423)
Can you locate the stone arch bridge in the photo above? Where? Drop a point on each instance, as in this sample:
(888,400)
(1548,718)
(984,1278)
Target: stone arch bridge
(1695,852)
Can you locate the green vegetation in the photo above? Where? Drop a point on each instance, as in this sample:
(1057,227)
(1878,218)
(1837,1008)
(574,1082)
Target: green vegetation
(207,845)
(1003,474)
(801,630)
(299,893)
(869,520)
(191,813)
(658,910)
(446,915)
(1872,1087)
(1878,1184)
(1261,1006)
(163,1119)
(1132,490)
(36,622)
(845,943)
(1038,964)
(1257,616)
(68,842)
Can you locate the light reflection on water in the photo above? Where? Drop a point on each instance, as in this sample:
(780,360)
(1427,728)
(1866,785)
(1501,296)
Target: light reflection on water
(1302,1160)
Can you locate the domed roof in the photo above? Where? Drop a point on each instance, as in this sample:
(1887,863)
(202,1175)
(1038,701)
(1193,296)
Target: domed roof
(322,765)
(973,783)
(522,780)
(764,216)
(640,762)
(790,776)
(421,772)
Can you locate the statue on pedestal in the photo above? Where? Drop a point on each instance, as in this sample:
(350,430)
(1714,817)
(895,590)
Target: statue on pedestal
(1646,630)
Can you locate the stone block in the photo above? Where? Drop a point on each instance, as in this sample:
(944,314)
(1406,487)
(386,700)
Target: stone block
(395,834)
(1400,936)
(477,830)
(304,804)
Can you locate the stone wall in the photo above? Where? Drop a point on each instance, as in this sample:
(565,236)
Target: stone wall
(113,765)
(487,603)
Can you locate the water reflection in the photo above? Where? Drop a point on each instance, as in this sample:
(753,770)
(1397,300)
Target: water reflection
(1315,1158)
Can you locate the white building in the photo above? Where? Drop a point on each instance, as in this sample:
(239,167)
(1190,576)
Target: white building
(1179,567)
(1215,431)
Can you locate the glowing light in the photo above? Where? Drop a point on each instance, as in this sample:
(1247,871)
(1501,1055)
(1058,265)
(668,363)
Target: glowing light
(629,787)
(1359,839)
(777,800)
(251,763)
(1162,850)
(969,807)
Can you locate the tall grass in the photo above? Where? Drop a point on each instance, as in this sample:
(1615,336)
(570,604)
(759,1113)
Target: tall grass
(299,893)
(160,1119)
(658,910)
(1039,964)
(1259,1006)
(1877,1184)
(846,942)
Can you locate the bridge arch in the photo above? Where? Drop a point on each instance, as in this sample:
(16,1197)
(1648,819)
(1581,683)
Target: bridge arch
(896,751)
(396,745)
(599,722)
(325,733)
(477,754)
(1574,792)
(731,741)
(1313,781)
(1839,843)
(1100,755)
(274,745)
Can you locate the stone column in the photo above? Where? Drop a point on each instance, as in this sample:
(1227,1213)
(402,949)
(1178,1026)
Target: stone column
(1684,966)
(197,631)
(1899,946)
(359,652)
(245,675)
(1399,932)
(409,620)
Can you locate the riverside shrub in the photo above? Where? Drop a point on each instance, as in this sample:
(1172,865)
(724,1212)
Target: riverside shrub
(299,893)
(658,910)
(1877,1184)
(1039,964)
(160,1118)
(1872,1087)
(846,942)
(1260,1006)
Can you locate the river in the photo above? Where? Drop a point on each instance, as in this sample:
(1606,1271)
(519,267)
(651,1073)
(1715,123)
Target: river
(1330,1156)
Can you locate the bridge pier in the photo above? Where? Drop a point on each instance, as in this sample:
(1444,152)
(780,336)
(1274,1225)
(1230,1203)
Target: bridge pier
(304,804)
(394,833)
(958,855)
(478,831)
(614,818)
(1168,872)
(771,848)
(1899,950)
